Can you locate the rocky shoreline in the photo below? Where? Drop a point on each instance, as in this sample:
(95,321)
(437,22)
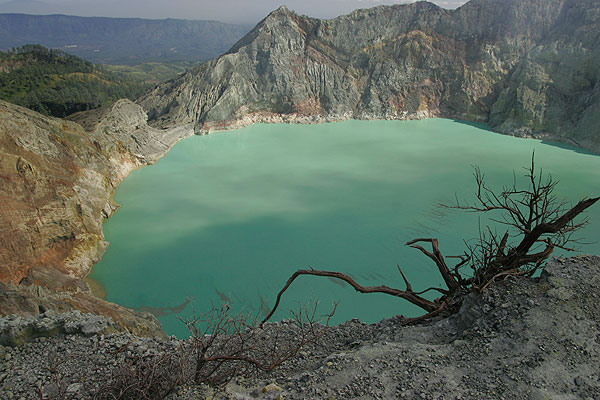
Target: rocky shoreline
(274,118)
(58,180)
(71,238)
(521,339)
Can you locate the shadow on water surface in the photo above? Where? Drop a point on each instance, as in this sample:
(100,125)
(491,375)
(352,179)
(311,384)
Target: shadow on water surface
(553,143)
(565,146)
(246,263)
(258,256)
(474,124)
(347,215)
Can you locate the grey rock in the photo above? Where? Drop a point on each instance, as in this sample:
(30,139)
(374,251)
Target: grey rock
(17,331)
(74,388)
(528,68)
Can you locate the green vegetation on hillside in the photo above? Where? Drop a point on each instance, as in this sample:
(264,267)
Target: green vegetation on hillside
(151,73)
(55,83)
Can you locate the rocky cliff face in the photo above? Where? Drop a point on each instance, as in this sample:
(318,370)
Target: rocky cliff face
(554,91)
(526,67)
(56,186)
(57,182)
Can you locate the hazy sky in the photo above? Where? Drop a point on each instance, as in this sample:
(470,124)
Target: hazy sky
(236,11)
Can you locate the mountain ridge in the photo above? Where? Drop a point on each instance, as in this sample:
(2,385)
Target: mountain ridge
(485,61)
(121,40)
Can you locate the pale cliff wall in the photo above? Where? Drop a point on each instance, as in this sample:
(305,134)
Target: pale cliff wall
(57,185)
(526,67)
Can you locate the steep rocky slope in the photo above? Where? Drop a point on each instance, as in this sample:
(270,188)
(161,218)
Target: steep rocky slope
(555,89)
(56,185)
(527,67)
(57,182)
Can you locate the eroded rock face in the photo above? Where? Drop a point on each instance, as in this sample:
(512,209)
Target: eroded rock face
(527,67)
(58,179)
(56,187)
(123,125)
(57,182)
(554,91)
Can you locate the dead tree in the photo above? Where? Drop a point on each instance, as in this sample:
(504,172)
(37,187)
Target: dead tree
(222,345)
(146,377)
(537,223)
(225,345)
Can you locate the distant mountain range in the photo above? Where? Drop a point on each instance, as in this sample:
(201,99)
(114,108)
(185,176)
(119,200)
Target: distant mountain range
(525,67)
(121,40)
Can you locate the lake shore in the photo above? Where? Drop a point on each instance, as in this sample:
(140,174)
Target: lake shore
(336,145)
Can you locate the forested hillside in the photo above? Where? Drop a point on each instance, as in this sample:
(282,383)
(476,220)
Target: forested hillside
(55,83)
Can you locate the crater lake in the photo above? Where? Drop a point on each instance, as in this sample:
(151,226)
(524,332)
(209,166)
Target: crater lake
(228,217)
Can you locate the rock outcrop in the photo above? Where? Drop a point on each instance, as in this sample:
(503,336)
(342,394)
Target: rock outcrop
(16,330)
(57,185)
(527,67)
(58,180)
(46,290)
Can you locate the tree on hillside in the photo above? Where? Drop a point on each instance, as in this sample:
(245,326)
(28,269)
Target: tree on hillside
(56,83)
(536,223)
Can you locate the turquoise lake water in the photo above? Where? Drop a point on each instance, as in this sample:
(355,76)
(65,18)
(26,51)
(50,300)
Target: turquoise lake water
(232,215)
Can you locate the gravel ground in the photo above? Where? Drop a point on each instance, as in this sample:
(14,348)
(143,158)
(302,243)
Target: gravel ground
(521,339)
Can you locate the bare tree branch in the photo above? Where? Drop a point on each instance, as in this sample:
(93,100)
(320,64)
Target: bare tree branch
(405,294)
(535,218)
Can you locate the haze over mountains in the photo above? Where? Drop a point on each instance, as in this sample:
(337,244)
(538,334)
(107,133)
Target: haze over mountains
(121,40)
(232,11)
